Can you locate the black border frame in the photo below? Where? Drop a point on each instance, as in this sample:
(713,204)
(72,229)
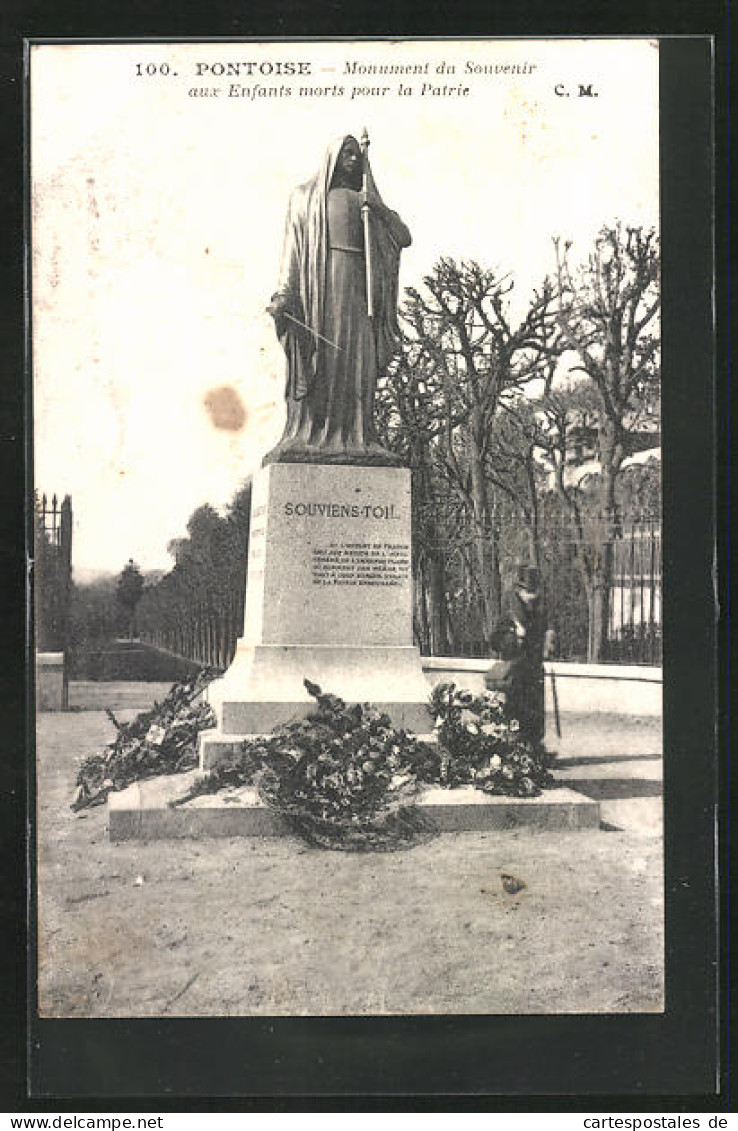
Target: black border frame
(649,1058)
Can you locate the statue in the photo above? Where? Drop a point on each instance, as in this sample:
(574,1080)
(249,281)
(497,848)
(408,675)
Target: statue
(335,310)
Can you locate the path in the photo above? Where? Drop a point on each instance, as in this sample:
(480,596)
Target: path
(240,926)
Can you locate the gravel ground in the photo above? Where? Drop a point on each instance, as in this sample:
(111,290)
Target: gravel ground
(270,926)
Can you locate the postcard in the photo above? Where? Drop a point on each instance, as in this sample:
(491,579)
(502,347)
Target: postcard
(347,460)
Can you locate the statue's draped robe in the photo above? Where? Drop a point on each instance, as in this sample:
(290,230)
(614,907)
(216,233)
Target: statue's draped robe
(330,391)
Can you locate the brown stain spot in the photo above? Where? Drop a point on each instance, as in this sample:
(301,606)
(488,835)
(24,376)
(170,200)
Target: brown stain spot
(226,408)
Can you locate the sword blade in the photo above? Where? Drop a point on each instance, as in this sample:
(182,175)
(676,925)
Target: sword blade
(304,326)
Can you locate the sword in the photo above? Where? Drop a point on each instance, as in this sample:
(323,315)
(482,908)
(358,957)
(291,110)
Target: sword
(367,223)
(309,329)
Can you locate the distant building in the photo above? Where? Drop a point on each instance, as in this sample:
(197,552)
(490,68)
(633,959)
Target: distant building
(582,455)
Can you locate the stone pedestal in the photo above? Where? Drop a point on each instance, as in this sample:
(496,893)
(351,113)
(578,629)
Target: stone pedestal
(328,598)
(51,688)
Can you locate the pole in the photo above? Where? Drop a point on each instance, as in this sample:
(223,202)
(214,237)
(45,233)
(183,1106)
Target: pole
(557,717)
(365,210)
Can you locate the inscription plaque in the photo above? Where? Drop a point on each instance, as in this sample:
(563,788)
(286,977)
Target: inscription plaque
(361,564)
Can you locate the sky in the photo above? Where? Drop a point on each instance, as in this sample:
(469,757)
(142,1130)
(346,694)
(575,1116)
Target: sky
(158,212)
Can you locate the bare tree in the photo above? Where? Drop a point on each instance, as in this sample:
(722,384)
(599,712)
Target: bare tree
(409,417)
(607,311)
(475,360)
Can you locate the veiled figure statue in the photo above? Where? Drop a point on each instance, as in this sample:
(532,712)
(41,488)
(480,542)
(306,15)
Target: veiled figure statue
(335,350)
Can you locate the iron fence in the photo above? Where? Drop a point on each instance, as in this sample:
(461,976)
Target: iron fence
(623,555)
(449,612)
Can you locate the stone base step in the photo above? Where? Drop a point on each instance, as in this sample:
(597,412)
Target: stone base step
(143,811)
(216,747)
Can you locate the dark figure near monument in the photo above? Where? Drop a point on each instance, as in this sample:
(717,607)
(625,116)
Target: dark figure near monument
(519,639)
(335,311)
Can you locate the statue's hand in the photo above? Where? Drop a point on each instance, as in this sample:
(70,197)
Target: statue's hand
(378,208)
(371,199)
(278,308)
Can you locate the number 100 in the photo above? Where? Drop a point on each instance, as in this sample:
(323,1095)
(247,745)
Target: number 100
(152,69)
